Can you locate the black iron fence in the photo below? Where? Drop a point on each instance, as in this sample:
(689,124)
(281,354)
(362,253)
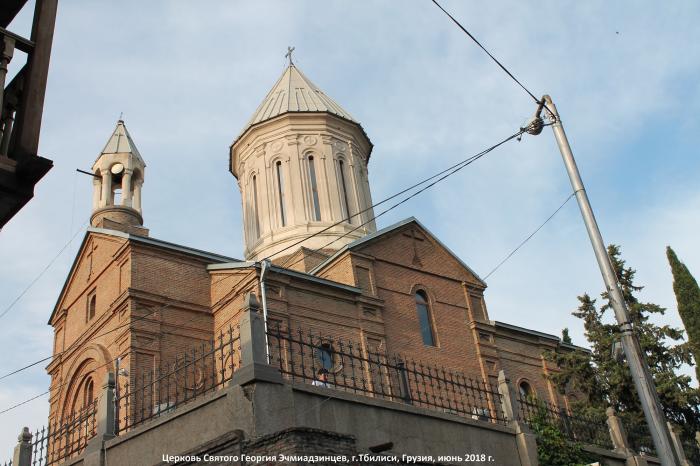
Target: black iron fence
(65,438)
(328,362)
(639,437)
(344,365)
(588,429)
(149,393)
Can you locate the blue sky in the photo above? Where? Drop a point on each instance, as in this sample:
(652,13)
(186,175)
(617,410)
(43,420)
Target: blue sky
(189,75)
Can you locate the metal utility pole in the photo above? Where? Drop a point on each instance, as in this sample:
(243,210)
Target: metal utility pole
(640,371)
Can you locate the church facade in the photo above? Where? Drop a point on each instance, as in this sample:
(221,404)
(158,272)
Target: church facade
(313,257)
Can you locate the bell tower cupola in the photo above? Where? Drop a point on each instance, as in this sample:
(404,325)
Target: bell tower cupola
(301,165)
(118,177)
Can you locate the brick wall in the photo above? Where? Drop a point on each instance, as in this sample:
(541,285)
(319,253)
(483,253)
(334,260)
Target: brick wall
(153,304)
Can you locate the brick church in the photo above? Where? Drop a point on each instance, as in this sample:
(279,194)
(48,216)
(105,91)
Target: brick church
(301,164)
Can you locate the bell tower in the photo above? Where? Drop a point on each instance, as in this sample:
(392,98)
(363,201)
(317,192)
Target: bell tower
(119,172)
(301,165)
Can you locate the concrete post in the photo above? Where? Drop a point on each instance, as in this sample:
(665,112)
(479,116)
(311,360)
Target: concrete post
(509,400)
(678,445)
(23,449)
(618,434)
(697,438)
(525,439)
(253,355)
(94,452)
(105,408)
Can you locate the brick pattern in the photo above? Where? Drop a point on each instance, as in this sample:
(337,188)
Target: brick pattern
(153,304)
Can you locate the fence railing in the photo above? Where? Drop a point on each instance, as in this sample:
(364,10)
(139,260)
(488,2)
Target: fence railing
(66,438)
(153,392)
(345,365)
(328,362)
(639,437)
(592,430)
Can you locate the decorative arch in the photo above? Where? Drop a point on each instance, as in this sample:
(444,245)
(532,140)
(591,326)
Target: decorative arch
(525,388)
(91,364)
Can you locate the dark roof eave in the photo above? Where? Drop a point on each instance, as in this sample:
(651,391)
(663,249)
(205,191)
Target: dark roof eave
(546,336)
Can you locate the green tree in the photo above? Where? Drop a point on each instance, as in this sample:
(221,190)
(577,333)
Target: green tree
(565,337)
(688,298)
(607,381)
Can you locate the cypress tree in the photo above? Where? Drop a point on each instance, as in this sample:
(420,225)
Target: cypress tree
(688,298)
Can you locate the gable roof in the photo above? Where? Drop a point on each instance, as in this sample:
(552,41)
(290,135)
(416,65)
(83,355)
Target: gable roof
(384,231)
(215,258)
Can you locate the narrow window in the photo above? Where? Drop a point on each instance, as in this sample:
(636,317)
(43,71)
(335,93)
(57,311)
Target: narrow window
(88,392)
(426,328)
(92,304)
(344,191)
(280,193)
(256,215)
(314,191)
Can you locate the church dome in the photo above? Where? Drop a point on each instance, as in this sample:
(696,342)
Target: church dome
(294,92)
(301,166)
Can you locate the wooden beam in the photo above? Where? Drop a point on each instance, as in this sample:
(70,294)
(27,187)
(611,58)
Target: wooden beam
(25,142)
(22,44)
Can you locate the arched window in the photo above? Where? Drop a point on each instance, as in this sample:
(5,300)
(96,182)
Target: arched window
(88,392)
(280,193)
(343,191)
(424,318)
(316,207)
(256,212)
(525,390)
(91,306)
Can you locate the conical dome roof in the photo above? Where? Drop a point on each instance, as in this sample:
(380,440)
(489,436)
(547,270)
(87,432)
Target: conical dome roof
(294,92)
(120,142)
